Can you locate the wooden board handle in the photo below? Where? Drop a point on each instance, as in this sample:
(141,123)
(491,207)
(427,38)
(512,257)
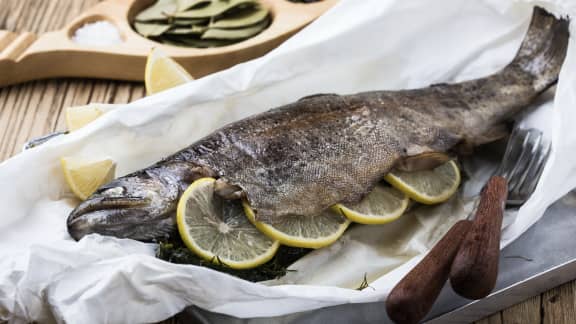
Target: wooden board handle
(26,57)
(13,45)
(414,295)
(475,268)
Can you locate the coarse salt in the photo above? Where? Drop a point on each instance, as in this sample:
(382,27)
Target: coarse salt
(99,33)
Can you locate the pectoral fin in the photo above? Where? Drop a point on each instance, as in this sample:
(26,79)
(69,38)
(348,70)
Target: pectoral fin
(497,132)
(227,191)
(424,161)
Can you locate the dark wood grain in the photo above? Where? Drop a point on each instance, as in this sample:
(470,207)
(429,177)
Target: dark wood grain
(475,268)
(38,107)
(559,305)
(527,312)
(413,297)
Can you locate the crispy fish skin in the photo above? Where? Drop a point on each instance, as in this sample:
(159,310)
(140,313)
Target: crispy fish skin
(306,156)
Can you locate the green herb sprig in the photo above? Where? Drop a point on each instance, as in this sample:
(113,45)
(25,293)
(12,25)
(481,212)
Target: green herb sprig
(176,252)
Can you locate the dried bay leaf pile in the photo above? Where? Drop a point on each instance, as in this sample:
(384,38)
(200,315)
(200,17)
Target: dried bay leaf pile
(202,23)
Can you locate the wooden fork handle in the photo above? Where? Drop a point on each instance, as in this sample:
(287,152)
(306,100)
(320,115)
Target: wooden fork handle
(414,295)
(475,267)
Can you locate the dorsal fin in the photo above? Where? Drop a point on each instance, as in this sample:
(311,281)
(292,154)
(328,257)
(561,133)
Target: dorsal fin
(317,95)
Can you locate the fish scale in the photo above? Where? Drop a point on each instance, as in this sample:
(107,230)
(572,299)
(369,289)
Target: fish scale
(304,157)
(308,167)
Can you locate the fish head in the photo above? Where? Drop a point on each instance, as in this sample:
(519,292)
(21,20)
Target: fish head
(139,206)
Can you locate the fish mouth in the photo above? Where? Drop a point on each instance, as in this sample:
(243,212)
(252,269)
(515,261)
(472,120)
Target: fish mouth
(107,216)
(100,203)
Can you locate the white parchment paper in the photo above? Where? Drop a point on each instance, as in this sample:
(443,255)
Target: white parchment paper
(358,46)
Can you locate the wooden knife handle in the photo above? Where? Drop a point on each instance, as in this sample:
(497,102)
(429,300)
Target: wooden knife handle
(475,267)
(414,295)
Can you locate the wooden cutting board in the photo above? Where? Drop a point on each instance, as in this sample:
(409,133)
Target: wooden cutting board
(26,56)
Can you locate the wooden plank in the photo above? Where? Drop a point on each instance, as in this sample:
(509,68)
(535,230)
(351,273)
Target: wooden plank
(526,312)
(12,117)
(559,305)
(495,318)
(35,109)
(77,93)
(138,91)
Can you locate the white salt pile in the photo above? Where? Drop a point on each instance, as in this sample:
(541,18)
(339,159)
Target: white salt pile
(99,33)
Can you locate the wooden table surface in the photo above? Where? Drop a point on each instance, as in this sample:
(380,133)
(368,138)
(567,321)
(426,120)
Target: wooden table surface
(36,108)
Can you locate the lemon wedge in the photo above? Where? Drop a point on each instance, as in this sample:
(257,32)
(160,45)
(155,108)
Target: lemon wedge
(217,230)
(303,231)
(85,176)
(79,116)
(429,186)
(382,205)
(162,72)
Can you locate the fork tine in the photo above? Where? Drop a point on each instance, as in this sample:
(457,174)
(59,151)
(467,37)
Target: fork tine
(532,141)
(537,169)
(520,163)
(523,162)
(512,150)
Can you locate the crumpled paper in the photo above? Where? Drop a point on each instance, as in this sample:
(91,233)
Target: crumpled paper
(357,46)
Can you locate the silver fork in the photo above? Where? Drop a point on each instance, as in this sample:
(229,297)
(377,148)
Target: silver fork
(468,253)
(523,163)
(475,268)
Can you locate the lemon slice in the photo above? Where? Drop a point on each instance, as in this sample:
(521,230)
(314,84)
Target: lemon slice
(384,204)
(303,231)
(429,186)
(163,73)
(85,176)
(79,116)
(217,230)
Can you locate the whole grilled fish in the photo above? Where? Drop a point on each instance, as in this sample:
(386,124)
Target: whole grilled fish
(324,149)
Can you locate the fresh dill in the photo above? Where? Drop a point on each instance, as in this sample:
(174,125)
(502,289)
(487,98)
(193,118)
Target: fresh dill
(177,252)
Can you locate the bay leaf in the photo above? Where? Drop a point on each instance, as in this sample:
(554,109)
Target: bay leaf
(190,22)
(239,33)
(215,8)
(153,29)
(196,30)
(184,5)
(243,18)
(158,11)
(195,42)
(203,23)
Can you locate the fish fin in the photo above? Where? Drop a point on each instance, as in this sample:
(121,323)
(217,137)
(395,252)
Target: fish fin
(423,161)
(197,172)
(543,49)
(318,95)
(227,191)
(497,132)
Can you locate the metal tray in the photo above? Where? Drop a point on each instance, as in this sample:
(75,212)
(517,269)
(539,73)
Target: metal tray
(542,258)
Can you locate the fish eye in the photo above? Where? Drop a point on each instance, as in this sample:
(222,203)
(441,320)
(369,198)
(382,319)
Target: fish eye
(115,191)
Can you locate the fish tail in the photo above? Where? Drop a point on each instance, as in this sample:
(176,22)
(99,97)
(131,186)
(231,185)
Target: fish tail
(543,49)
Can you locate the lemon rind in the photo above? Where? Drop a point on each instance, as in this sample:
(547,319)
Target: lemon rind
(65,163)
(72,125)
(423,198)
(207,255)
(294,241)
(154,56)
(372,220)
